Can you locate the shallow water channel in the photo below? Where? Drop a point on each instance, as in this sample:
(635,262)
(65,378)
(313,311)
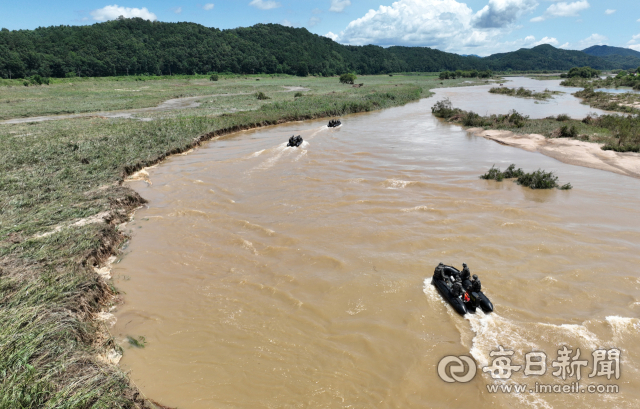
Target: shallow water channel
(479,100)
(270,277)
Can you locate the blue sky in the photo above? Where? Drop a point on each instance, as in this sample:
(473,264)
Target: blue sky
(467,27)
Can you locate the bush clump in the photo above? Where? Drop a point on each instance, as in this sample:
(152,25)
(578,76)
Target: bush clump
(512,172)
(495,173)
(347,78)
(444,109)
(298,94)
(541,180)
(568,132)
(213,77)
(534,180)
(562,117)
(261,96)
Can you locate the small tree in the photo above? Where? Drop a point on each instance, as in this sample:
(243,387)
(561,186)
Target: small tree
(303,70)
(213,77)
(261,96)
(347,78)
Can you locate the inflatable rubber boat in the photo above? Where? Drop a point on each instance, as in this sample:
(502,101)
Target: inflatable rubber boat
(334,122)
(469,304)
(295,141)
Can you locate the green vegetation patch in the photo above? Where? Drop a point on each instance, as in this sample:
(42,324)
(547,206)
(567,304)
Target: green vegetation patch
(627,102)
(523,92)
(538,179)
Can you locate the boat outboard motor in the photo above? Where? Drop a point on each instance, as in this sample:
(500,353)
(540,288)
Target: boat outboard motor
(295,141)
(333,123)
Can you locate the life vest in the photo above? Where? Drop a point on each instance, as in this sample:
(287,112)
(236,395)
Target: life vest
(466,297)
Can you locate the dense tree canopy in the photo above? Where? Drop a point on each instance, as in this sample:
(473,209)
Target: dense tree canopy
(136,46)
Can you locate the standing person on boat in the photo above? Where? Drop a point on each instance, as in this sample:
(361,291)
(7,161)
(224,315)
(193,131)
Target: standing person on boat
(465,274)
(465,277)
(476,285)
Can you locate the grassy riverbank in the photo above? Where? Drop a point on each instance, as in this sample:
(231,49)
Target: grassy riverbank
(62,199)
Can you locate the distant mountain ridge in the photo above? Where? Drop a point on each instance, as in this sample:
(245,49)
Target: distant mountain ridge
(605,50)
(136,46)
(619,57)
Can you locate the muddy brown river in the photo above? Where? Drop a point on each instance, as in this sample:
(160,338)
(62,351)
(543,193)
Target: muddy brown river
(263,276)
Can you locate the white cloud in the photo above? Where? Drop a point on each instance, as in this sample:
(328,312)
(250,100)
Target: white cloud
(286,23)
(530,41)
(502,13)
(443,24)
(565,45)
(265,4)
(339,5)
(609,11)
(177,10)
(634,43)
(562,9)
(208,6)
(316,11)
(593,39)
(115,11)
(332,36)
(547,40)
(313,21)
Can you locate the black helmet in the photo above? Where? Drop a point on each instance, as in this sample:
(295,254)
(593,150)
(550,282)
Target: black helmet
(464,264)
(440,264)
(475,276)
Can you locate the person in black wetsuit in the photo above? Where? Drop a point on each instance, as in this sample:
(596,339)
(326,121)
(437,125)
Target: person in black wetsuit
(476,286)
(438,274)
(465,277)
(465,274)
(456,289)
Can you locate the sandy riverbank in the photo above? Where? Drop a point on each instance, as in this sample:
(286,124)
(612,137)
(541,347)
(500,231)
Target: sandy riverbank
(571,151)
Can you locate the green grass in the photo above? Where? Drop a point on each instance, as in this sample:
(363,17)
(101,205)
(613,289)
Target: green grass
(79,95)
(56,173)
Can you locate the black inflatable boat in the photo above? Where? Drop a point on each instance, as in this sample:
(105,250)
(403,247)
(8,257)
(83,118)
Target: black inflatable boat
(443,282)
(334,122)
(295,141)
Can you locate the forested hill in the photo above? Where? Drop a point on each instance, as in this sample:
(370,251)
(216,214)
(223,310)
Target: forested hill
(620,57)
(605,50)
(136,46)
(547,57)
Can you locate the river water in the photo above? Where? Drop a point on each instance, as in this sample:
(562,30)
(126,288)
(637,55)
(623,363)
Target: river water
(270,277)
(479,100)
